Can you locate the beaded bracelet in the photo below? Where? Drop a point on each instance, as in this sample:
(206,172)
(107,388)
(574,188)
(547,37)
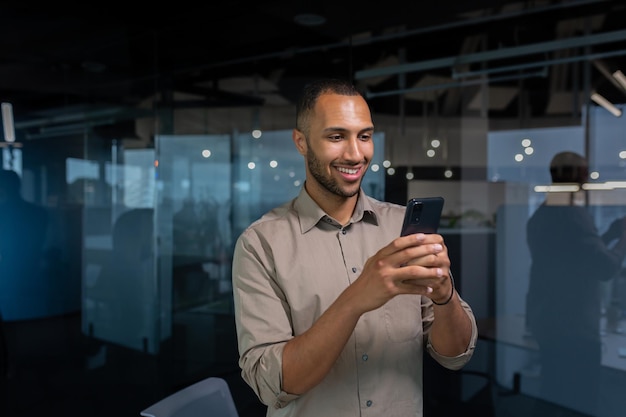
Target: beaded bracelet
(451,294)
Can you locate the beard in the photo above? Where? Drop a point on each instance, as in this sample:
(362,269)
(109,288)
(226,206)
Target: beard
(317,171)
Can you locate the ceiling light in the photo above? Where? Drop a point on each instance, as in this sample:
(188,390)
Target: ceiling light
(558,188)
(606,104)
(617,184)
(621,78)
(597,186)
(7,120)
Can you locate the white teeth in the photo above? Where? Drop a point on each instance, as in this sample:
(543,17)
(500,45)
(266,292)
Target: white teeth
(348,171)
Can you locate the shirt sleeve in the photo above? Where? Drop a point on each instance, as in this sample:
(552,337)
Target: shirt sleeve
(262,319)
(455,362)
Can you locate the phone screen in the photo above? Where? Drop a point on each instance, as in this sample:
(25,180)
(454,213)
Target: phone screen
(422,215)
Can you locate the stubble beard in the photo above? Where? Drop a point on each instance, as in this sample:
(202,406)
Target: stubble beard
(326,181)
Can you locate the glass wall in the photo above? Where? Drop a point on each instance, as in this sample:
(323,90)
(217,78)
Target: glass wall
(159,244)
(127,296)
(583,312)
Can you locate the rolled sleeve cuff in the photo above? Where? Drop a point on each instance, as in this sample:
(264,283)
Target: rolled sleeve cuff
(456,362)
(262,370)
(284,398)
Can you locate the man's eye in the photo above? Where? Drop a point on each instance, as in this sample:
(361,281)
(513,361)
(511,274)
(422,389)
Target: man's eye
(335,137)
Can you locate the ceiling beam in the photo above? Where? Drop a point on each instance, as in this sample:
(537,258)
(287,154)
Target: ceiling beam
(536,48)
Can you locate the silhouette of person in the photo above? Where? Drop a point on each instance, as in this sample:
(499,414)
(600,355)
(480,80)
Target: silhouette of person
(569,259)
(22,236)
(22,229)
(187,233)
(126,286)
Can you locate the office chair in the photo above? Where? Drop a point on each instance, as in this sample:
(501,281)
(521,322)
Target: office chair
(209,397)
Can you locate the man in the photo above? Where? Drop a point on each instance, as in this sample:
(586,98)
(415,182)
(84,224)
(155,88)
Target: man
(569,261)
(333,309)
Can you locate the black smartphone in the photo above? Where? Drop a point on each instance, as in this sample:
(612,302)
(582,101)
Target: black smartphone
(422,215)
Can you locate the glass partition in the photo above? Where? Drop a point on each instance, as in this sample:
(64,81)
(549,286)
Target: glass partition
(134,256)
(583,299)
(160,226)
(120,302)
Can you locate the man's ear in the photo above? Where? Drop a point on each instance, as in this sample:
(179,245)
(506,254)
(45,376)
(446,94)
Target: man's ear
(299,140)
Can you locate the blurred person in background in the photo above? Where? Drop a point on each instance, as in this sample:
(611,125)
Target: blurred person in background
(23,227)
(570,260)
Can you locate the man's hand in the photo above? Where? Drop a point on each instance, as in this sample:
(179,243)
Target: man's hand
(413,264)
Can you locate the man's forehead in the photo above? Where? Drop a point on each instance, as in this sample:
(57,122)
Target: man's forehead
(342,107)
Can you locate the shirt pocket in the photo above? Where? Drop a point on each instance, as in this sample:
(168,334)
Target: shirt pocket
(402,315)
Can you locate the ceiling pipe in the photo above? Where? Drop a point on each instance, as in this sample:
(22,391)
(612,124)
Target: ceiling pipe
(80,116)
(544,64)
(585,57)
(543,73)
(536,48)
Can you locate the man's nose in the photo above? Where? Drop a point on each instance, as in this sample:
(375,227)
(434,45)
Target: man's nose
(353,149)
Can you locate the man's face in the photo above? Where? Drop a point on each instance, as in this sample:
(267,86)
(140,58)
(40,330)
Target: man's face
(338,147)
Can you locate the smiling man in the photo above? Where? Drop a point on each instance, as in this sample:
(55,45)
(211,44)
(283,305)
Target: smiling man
(333,309)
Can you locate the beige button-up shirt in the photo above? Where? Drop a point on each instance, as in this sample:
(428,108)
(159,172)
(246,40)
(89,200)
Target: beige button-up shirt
(288,268)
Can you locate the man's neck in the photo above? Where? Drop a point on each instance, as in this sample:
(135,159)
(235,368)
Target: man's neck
(338,207)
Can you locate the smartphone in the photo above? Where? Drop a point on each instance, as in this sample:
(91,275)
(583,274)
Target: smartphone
(422,215)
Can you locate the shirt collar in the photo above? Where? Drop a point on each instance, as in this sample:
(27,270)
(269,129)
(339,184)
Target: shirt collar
(310,213)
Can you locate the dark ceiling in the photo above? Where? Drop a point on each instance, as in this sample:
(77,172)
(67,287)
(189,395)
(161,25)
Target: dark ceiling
(56,58)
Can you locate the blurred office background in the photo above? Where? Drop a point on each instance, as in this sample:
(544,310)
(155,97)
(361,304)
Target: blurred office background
(151,137)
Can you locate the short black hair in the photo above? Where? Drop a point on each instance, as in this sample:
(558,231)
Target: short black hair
(569,167)
(312,92)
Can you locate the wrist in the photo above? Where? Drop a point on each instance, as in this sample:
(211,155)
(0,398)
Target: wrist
(452,290)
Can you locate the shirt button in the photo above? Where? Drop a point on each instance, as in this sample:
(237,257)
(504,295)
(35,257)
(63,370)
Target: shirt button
(353,269)
(365,357)
(369,403)
(344,231)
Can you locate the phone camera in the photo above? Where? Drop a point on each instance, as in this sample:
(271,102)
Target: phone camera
(416,213)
